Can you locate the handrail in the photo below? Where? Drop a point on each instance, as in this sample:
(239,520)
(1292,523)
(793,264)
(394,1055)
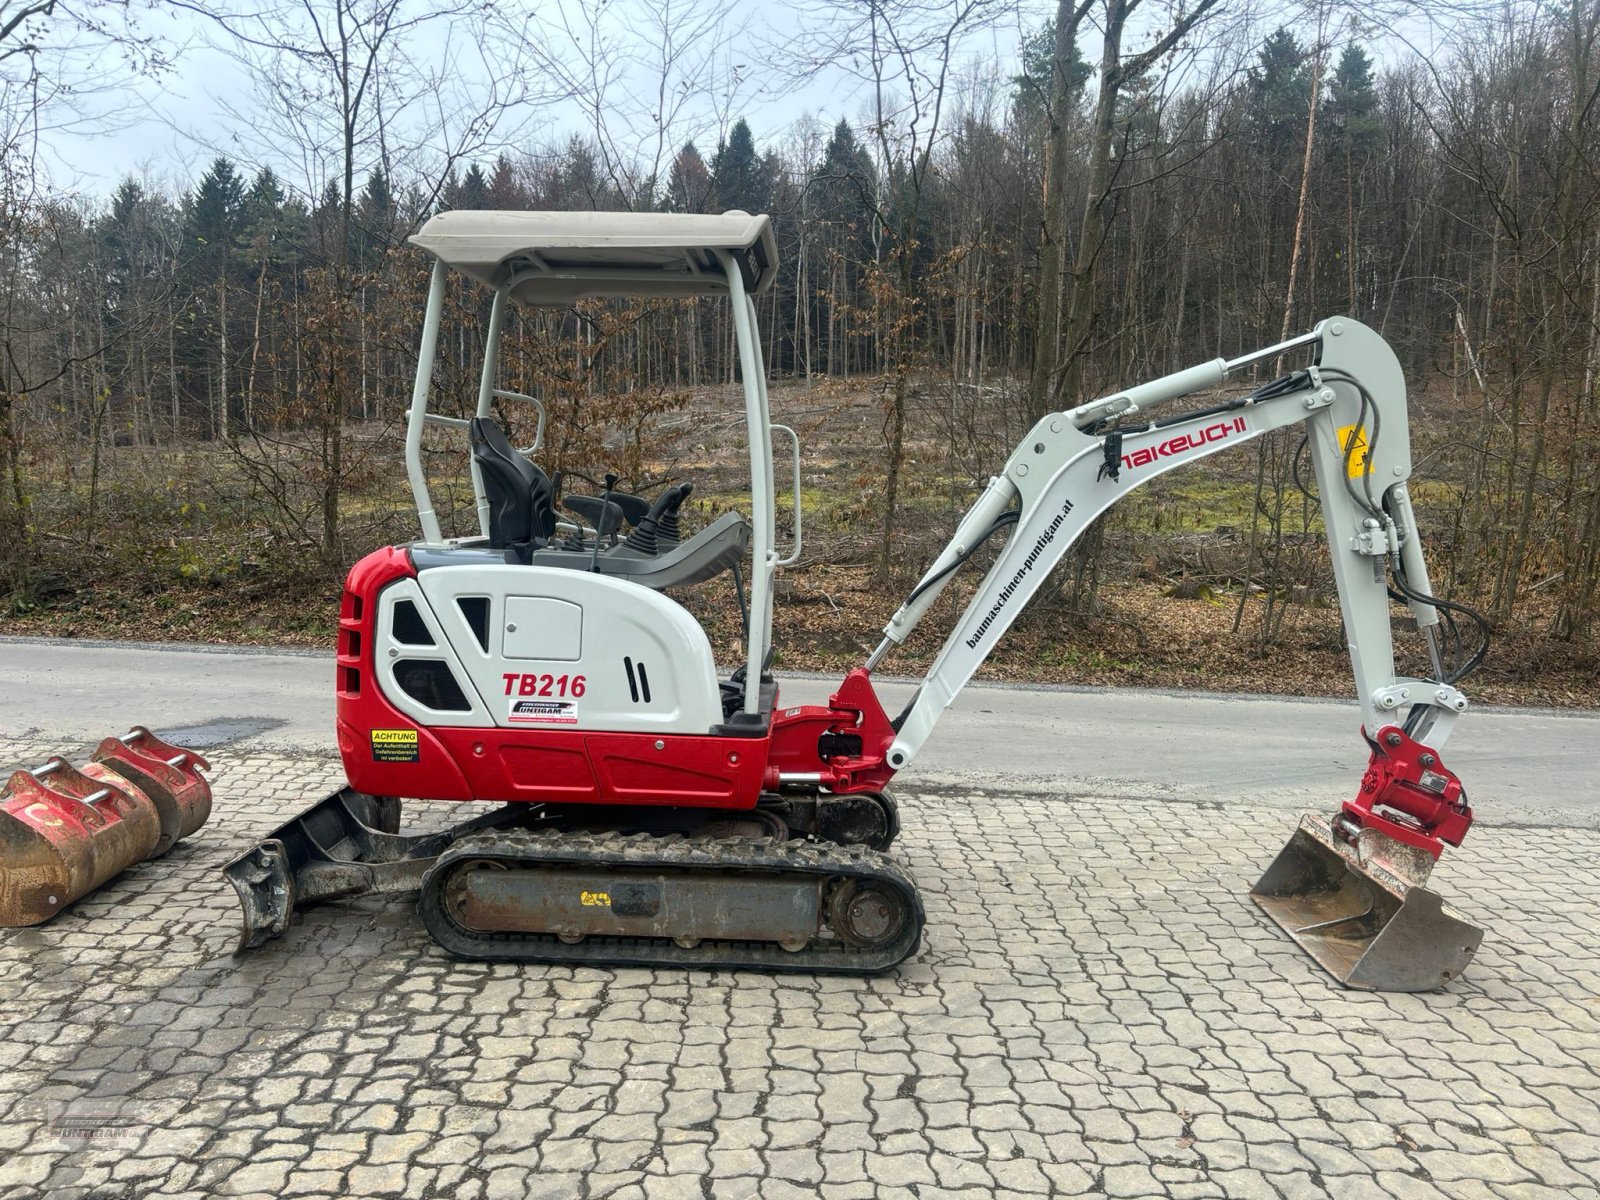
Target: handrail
(794,443)
(759,636)
(439,419)
(538,434)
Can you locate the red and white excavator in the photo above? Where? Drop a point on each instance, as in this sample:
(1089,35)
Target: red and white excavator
(652,812)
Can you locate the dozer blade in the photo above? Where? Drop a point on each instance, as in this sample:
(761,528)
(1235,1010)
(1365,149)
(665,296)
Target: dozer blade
(346,845)
(1361,911)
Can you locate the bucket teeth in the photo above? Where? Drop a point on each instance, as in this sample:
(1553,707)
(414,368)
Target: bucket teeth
(65,831)
(1361,911)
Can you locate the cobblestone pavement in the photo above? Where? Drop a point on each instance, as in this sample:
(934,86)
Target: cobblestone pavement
(1097,1010)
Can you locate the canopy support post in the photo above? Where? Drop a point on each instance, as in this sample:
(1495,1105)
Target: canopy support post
(417,418)
(763,555)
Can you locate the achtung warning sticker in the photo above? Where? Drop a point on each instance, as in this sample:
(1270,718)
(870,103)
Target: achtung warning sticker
(395,745)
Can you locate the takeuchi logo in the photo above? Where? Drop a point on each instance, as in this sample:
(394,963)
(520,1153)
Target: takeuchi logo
(1146,455)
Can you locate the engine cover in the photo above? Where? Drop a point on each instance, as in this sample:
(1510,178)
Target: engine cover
(542,648)
(496,681)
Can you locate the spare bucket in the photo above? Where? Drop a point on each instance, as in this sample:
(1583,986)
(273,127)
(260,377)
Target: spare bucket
(1357,905)
(169,775)
(64,832)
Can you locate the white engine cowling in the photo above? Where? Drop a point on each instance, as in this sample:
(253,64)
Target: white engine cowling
(544,648)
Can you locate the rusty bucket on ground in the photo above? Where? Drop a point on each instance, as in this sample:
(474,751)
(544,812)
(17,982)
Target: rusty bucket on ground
(168,775)
(1357,906)
(65,831)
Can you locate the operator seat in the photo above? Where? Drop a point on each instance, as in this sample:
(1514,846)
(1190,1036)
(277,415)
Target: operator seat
(522,508)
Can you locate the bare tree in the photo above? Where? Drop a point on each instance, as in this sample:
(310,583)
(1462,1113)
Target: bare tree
(349,85)
(650,77)
(62,67)
(1067,354)
(903,51)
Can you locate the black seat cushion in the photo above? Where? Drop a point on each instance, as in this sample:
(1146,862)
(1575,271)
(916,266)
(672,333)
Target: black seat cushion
(522,507)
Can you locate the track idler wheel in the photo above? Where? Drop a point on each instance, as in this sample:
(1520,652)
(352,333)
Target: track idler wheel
(866,914)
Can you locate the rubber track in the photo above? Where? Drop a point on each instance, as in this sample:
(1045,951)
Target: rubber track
(678,853)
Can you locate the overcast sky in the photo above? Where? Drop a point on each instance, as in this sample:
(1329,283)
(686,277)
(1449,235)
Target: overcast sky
(168,128)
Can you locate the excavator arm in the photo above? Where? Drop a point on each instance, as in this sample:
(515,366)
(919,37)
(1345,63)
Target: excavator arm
(1341,886)
(1067,472)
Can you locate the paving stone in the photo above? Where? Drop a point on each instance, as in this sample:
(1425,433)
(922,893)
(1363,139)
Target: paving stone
(1096,1011)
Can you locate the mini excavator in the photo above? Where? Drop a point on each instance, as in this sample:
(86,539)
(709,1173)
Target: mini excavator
(650,812)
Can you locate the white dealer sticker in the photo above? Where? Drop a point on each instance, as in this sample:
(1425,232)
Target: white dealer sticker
(543,712)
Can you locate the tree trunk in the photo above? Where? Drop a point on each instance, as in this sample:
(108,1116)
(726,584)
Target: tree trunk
(1053,240)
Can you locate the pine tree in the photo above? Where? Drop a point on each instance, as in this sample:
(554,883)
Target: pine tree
(214,225)
(504,191)
(131,264)
(845,179)
(121,238)
(326,219)
(580,186)
(1351,108)
(690,188)
(844,184)
(215,209)
(374,220)
(376,198)
(1279,88)
(1030,94)
(1354,131)
(474,189)
(743,178)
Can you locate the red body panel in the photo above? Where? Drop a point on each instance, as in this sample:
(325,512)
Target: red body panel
(574,766)
(854,711)
(361,706)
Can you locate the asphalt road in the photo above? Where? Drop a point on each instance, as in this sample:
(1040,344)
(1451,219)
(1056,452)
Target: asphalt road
(1242,752)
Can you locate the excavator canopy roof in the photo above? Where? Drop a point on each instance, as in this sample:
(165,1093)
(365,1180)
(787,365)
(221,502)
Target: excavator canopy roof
(556,258)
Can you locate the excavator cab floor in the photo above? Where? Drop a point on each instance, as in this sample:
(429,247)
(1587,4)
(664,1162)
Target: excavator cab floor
(1361,911)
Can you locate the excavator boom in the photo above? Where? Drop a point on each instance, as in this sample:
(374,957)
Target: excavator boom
(1348,887)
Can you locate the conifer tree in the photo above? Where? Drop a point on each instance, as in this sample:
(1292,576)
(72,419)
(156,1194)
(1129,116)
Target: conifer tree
(214,225)
(742,177)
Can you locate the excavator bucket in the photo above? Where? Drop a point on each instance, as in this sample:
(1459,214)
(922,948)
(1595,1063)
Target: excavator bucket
(64,832)
(1359,909)
(168,775)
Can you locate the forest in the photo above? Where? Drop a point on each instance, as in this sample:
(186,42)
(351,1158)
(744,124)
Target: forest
(203,381)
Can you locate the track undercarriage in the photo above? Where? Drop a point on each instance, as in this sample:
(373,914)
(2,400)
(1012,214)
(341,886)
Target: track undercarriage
(798,883)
